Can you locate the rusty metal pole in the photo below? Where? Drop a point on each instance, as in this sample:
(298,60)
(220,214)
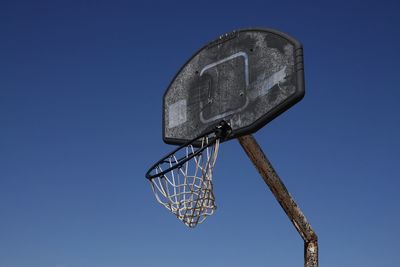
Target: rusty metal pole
(296,216)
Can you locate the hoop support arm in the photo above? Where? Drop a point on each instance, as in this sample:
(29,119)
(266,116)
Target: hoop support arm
(292,210)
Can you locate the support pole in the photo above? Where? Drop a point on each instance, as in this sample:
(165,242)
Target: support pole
(275,184)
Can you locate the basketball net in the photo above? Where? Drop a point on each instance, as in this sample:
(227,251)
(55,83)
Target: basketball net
(187,189)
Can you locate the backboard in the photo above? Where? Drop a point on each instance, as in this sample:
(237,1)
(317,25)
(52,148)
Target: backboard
(247,78)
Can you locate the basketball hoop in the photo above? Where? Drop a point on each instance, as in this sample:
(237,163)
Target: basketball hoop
(182,180)
(247,77)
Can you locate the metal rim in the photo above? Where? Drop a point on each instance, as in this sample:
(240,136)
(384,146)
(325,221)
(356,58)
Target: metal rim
(221,131)
(182,160)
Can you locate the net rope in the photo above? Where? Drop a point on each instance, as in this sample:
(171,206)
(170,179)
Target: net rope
(187,190)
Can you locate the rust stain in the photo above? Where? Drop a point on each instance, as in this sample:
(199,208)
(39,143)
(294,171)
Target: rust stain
(277,187)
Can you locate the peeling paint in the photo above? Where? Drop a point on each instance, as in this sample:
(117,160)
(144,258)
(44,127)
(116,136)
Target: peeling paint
(277,187)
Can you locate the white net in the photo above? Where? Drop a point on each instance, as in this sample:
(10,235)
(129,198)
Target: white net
(187,189)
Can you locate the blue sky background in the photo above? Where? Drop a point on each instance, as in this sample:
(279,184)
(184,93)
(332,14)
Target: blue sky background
(81,86)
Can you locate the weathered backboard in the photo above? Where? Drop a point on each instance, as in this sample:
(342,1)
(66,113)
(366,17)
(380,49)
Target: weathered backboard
(247,78)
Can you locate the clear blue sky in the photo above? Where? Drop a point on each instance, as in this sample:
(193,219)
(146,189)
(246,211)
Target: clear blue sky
(81,86)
